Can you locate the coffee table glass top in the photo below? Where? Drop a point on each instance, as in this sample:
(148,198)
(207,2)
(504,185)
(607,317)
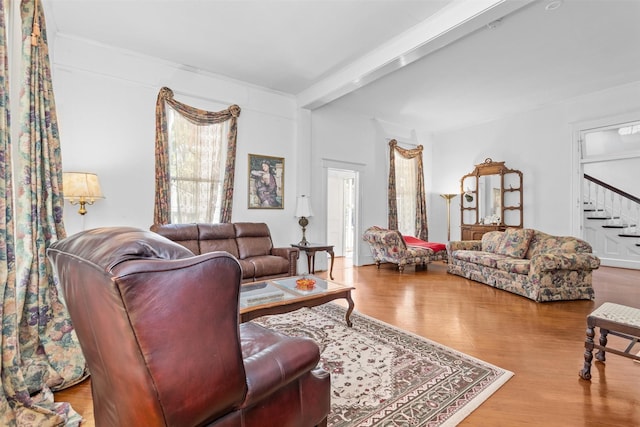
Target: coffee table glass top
(254,294)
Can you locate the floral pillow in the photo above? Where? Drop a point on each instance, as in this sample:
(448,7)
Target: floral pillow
(515,242)
(491,241)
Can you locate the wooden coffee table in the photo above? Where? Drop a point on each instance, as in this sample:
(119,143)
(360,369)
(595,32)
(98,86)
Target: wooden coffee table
(278,296)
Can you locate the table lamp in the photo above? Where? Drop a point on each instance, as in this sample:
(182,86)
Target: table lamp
(303,211)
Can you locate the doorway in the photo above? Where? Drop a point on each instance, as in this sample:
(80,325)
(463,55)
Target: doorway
(342,212)
(607,210)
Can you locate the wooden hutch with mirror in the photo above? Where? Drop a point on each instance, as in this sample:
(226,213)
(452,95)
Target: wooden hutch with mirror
(491,200)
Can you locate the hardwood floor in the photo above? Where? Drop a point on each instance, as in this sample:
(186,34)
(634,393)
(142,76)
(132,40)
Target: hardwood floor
(542,343)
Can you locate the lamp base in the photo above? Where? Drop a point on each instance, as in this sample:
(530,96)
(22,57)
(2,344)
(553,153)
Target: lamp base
(303,223)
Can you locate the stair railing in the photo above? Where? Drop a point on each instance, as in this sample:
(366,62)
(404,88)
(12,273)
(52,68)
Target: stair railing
(617,207)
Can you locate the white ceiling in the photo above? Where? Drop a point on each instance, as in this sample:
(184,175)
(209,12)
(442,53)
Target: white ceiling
(431,64)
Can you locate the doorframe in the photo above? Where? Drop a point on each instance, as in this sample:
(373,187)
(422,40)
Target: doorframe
(358,170)
(577,165)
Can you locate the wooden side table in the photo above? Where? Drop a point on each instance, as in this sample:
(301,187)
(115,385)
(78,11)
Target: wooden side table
(310,250)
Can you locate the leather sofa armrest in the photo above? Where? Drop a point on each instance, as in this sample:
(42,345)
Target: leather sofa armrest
(272,360)
(290,254)
(564,261)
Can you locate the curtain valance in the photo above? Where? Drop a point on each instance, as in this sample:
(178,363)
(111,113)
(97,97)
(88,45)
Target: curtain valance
(196,115)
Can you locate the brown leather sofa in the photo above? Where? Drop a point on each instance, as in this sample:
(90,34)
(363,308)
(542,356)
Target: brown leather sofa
(159,329)
(249,242)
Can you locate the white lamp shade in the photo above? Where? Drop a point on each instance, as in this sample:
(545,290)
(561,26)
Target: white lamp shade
(303,207)
(81,186)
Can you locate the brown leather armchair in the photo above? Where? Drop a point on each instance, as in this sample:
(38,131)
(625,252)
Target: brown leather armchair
(159,329)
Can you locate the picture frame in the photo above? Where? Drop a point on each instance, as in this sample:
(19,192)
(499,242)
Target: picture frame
(265,182)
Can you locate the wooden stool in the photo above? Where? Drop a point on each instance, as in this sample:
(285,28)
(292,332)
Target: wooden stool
(614,319)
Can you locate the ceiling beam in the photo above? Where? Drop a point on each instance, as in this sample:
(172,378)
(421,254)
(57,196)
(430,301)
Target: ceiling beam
(456,20)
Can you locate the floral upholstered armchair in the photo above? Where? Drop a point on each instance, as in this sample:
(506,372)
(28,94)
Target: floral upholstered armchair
(391,246)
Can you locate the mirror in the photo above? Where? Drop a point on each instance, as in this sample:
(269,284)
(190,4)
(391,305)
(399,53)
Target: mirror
(491,198)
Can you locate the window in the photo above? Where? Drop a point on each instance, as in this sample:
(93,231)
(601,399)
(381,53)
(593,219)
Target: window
(197,155)
(406,193)
(195,162)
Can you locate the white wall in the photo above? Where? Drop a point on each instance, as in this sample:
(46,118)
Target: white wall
(106,110)
(539,143)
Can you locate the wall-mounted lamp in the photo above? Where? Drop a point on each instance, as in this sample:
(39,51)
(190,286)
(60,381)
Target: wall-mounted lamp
(303,211)
(448,198)
(81,188)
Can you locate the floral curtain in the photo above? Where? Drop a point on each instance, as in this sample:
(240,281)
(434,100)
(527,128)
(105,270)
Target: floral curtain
(162,209)
(421,228)
(40,352)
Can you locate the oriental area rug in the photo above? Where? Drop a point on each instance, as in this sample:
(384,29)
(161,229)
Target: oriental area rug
(383,376)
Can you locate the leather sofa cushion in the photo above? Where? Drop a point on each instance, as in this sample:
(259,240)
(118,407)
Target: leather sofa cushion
(269,265)
(248,269)
(218,237)
(184,234)
(253,239)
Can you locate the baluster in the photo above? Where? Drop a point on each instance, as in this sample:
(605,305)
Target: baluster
(621,221)
(627,215)
(613,212)
(606,198)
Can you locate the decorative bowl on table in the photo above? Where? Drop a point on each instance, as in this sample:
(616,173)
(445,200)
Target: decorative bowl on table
(305,284)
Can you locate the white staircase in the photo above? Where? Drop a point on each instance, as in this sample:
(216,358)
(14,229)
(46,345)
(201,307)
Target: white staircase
(611,224)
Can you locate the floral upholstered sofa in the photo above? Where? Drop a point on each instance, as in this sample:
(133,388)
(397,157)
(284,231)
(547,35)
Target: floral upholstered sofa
(391,246)
(527,262)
